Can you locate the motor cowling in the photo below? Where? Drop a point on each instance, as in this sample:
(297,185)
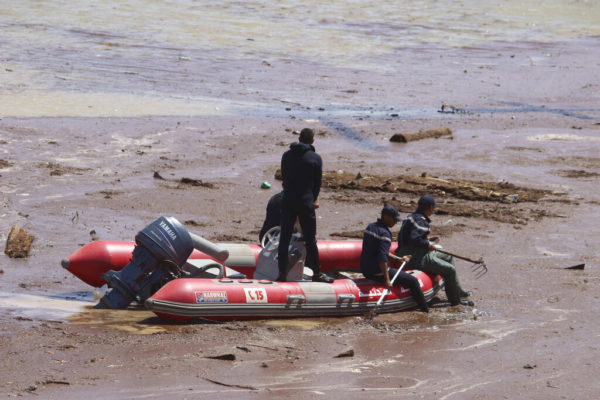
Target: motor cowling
(161,250)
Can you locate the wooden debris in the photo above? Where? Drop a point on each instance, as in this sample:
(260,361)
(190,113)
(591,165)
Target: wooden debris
(226,357)
(19,242)
(451,109)
(55,382)
(410,137)
(349,353)
(196,182)
(230,384)
(578,266)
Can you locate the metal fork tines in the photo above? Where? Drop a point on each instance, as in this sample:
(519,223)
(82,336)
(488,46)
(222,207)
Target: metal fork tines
(479,269)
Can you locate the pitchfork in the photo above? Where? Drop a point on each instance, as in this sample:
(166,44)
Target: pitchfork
(479,267)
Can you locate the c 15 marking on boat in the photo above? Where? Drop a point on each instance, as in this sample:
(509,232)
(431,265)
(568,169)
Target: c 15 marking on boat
(256,295)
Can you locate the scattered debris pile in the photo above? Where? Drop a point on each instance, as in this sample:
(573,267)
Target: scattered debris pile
(501,192)
(499,201)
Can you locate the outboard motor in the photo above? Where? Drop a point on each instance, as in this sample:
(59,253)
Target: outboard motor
(162,248)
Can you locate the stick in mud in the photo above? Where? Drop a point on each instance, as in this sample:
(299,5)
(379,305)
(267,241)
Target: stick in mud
(410,137)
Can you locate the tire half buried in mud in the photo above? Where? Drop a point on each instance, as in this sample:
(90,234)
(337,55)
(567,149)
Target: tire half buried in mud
(226,299)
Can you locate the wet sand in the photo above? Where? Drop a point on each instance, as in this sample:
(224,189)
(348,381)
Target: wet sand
(532,119)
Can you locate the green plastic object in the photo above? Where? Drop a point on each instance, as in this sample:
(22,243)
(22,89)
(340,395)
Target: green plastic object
(265,185)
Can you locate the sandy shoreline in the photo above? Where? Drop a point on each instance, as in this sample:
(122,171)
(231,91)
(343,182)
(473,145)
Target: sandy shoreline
(532,335)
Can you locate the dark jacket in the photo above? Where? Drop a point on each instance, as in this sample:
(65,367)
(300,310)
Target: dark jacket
(302,171)
(377,240)
(412,238)
(273,217)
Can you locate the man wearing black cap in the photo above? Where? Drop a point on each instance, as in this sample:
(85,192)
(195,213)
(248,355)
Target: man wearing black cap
(377,241)
(302,171)
(413,240)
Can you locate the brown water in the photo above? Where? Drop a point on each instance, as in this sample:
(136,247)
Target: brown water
(143,57)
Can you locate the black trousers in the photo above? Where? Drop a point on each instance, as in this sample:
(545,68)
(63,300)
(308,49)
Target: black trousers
(407,280)
(308,222)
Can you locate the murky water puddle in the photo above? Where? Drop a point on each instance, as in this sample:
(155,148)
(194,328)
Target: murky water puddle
(519,108)
(42,307)
(77,308)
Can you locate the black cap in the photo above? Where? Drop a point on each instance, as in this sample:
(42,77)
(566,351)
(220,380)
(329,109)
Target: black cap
(391,211)
(307,136)
(427,201)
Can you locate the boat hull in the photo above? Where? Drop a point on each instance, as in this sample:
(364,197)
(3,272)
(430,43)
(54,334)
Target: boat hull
(226,299)
(89,262)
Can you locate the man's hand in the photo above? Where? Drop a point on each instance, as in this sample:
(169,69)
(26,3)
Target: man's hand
(434,238)
(431,246)
(388,284)
(316,203)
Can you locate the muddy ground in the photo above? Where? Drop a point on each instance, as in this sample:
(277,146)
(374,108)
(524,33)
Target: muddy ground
(518,188)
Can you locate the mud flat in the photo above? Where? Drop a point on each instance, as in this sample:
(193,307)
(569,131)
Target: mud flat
(516,184)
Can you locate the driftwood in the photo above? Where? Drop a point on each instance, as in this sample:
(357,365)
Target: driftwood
(348,353)
(18,243)
(226,357)
(410,137)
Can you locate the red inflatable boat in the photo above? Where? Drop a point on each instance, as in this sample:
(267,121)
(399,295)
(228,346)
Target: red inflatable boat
(95,258)
(166,269)
(223,299)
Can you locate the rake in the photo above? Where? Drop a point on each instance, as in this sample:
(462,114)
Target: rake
(479,267)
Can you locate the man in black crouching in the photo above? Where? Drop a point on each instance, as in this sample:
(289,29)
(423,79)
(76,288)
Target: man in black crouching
(374,265)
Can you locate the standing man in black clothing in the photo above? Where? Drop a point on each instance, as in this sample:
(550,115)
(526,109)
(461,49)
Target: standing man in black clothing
(273,217)
(302,171)
(377,241)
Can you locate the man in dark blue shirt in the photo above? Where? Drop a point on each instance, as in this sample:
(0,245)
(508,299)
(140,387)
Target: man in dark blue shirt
(302,172)
(377,241)
(413,239)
